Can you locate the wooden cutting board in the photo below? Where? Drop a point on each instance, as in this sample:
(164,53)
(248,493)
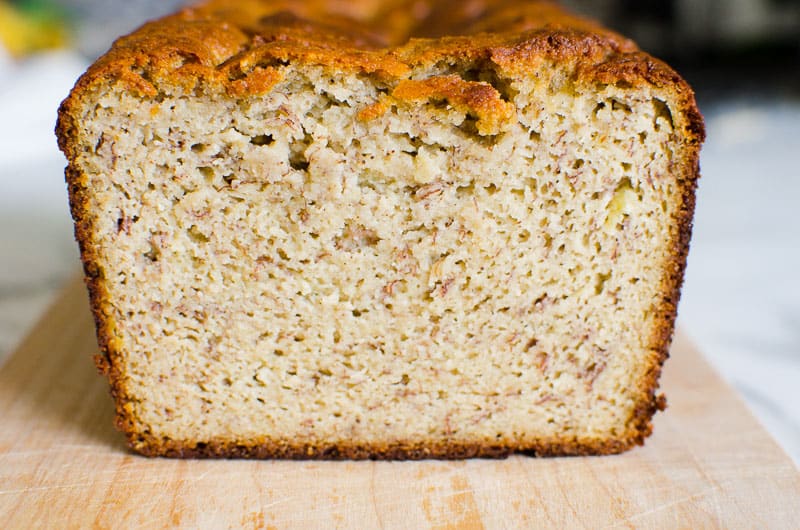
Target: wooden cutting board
(62,465)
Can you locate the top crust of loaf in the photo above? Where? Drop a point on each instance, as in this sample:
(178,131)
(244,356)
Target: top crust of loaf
(235,49)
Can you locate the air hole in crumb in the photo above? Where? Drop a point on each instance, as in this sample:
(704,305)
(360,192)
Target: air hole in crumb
(626,166)
(531,343)
(600,283)
(600,106)
(578,163)
(298,164)
(618,105)
(278,353)
(199,148)
(416,143)
(282,254)
(535,136)
(196,235)
(154,253)
(661,111)
(337,337)
(404,379)
(469,125)
(642,137)
(466,190)
(262,139)
(620,202)
(491,189)
(524,235)
(229,178)
(207,172)
(298,160)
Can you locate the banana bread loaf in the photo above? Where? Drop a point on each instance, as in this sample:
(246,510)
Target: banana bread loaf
(402,229)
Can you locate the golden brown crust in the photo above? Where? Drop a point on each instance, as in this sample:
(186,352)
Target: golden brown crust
(234,49)
(275,448)
(478,98)
(219,44)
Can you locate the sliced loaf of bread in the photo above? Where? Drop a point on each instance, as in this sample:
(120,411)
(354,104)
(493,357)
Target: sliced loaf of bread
(381,230)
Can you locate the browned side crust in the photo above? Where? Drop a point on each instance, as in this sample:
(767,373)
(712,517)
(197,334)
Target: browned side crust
(233,48)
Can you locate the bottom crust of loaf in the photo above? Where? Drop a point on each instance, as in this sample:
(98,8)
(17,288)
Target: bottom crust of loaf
(389,451)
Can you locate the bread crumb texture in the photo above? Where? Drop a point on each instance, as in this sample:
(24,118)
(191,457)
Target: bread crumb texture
(312,236)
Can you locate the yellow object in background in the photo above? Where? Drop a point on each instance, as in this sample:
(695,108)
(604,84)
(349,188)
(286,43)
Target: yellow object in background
(30,27)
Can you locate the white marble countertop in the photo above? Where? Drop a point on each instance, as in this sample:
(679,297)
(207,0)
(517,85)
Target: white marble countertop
(741,300)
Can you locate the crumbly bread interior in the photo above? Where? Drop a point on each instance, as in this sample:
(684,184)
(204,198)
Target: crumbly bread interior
(328,265)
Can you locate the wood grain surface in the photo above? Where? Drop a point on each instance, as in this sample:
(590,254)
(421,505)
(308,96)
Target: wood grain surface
(62,465)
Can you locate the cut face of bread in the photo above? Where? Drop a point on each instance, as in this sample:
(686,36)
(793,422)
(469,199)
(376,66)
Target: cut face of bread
(446,248)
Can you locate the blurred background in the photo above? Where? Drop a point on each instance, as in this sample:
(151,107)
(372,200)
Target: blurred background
(741,299)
